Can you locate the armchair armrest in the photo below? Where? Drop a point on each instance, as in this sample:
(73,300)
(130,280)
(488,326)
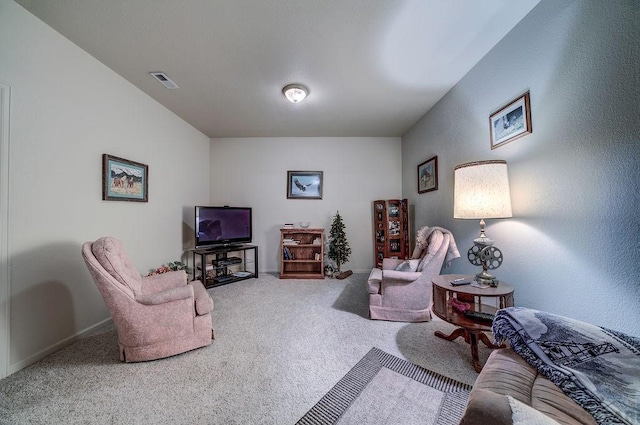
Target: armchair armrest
(204,302)
(163,281)
(162,297)
(402,276)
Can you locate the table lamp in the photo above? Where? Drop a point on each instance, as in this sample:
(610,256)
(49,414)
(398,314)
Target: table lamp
(481,191)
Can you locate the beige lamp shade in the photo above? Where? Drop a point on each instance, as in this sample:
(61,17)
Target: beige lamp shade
(481,190)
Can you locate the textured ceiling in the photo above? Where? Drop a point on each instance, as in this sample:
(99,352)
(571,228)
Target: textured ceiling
(374,67)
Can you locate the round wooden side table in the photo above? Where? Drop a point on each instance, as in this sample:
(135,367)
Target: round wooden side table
(469,328)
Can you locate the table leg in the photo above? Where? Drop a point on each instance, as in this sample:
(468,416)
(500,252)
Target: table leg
(473,336)
(460,332)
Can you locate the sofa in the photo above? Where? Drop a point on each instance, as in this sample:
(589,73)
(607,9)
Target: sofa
(556,369)
(507,374)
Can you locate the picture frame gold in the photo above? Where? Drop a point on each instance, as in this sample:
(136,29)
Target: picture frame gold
(511,122)
(428,175)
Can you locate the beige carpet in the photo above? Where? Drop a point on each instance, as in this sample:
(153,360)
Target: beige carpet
(280,346)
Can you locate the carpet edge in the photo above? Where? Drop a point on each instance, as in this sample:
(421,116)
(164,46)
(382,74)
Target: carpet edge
(339,398)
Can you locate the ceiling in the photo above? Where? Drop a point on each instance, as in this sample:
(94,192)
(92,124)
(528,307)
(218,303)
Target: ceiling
(373,67)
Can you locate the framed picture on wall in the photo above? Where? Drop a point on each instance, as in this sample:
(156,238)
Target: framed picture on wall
(428,175)
(511,122)
(304,184)
(124,180)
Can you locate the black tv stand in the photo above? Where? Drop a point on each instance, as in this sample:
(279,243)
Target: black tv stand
(225,268)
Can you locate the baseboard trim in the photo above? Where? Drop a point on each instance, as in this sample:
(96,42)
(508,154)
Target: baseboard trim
(13,368)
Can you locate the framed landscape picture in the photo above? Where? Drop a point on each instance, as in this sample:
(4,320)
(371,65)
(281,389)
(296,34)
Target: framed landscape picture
(124,180)
(304,184)
(511,122)
(428,175)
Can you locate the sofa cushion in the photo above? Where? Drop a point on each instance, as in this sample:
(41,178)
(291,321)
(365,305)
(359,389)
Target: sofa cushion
(522,414)
(486,407)
(507,374)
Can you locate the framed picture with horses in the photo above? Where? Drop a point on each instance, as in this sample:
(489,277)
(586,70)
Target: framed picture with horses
(124,180)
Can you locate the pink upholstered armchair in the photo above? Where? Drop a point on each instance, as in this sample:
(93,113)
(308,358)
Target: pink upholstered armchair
(401,291)
(156,316)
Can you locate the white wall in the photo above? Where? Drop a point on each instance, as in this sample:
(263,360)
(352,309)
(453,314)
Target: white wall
(356,171)
(67,110)
(572,246)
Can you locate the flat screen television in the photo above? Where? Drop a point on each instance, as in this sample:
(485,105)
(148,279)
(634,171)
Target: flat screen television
(219,226)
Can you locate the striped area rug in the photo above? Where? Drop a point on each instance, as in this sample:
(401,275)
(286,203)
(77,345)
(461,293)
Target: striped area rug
(383,389)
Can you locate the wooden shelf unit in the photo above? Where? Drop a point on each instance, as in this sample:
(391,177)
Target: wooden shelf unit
(304,259)
(390,230)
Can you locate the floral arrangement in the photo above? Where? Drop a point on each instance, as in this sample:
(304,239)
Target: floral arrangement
(169,267)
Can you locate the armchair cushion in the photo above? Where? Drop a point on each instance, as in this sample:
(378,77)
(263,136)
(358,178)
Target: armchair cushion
(400,276)
(163,281)
(390,263)
(112,257)
(435,241)
(163,297)
(408,266)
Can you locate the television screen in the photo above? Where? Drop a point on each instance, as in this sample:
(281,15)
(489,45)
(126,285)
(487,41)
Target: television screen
(222,226)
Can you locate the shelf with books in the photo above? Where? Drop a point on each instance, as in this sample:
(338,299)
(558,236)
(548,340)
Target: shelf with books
(301,253)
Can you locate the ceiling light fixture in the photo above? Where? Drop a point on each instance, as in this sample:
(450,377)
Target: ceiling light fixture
(295,93)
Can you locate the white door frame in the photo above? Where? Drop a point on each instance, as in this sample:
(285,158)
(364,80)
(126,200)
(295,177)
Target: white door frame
(5,103)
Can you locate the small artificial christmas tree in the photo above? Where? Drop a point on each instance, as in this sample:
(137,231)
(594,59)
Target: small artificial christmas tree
(339,250)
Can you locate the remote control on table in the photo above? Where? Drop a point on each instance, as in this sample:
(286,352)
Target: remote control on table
(479,315)
(461,281)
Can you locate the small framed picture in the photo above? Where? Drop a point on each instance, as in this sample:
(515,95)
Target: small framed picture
(304,184)
(394,228)
(394,245)
(511,122)
(428,175)
(124,180)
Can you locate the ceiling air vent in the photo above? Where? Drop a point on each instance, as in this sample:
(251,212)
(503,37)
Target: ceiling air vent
(164,79)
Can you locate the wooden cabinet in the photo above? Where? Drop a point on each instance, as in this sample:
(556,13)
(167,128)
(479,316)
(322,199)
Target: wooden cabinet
(390,230)
(301,253)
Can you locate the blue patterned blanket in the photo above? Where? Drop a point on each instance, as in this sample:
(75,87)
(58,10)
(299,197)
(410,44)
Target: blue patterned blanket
(597,367)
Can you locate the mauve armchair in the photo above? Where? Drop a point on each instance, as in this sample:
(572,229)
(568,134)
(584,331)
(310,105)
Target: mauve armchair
(401,291)
(156,316)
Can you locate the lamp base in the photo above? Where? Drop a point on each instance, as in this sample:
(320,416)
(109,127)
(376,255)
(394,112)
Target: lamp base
(484,254)
(485,278)
(482,240)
